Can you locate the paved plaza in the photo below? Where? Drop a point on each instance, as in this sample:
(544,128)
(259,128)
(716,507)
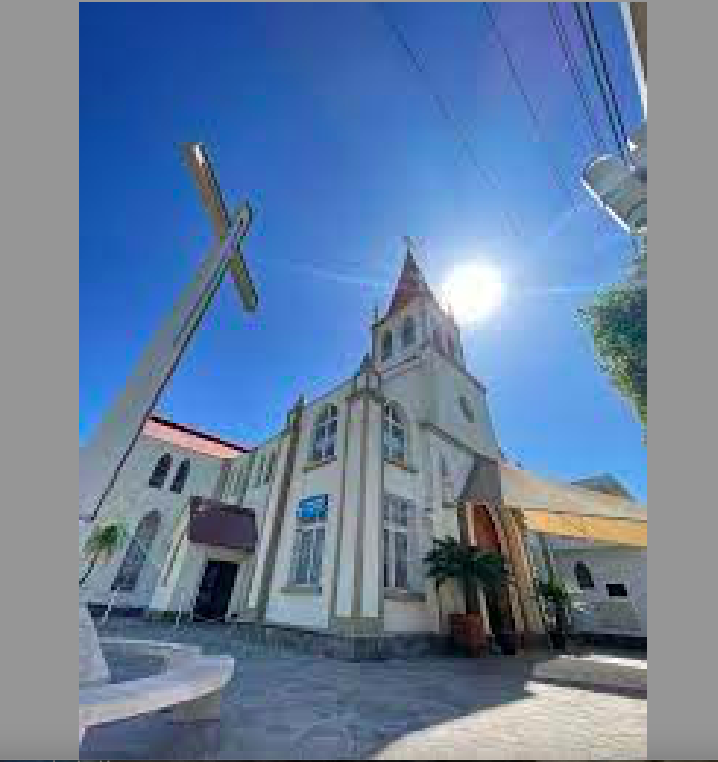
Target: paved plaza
(284,705)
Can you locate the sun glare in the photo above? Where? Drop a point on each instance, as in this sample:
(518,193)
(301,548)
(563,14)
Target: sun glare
(472,291)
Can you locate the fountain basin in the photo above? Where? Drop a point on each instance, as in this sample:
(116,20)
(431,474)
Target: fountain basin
(187,681)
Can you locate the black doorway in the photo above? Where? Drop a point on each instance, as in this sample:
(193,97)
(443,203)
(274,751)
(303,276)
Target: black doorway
(501,619)
(215,590)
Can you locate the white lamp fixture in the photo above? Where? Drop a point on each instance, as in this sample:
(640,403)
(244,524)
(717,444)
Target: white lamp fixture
(621,188)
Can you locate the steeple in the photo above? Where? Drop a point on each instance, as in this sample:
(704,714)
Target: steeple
(411,284)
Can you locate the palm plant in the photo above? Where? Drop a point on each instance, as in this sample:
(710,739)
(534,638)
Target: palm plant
(104,541)
(555,593)
(448,559)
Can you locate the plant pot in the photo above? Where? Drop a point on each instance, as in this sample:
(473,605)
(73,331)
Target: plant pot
(468,634)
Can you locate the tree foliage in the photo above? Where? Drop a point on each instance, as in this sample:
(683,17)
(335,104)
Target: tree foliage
(617,320)
(104,541)
(448,559)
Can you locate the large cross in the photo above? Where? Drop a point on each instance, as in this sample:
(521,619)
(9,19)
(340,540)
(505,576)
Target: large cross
(107,450)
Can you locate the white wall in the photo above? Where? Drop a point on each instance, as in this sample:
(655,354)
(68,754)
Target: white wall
(132,498)
(400,616)
(595,610)
(307,609)
(448,384)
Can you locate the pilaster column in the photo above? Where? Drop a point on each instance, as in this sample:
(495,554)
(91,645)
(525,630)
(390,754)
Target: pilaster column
(266,552)
(357,603)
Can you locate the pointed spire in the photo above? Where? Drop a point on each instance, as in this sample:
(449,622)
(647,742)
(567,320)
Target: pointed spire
(411,284)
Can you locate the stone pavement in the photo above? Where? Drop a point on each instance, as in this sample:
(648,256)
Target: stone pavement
(281,705)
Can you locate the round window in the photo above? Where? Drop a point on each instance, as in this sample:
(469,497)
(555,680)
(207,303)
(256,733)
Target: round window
(466,409)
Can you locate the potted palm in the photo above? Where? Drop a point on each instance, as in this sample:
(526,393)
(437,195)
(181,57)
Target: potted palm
(553,591)
(449,560)
(104,541)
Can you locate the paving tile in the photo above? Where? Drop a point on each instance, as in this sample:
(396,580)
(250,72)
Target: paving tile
(292,706)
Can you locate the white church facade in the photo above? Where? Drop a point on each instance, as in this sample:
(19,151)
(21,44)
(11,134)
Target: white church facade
(322,529)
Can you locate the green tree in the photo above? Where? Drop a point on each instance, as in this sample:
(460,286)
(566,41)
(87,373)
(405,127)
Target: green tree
(104,541)
(617,320)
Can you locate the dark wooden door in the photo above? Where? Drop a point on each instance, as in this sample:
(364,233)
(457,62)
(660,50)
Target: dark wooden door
(215,590)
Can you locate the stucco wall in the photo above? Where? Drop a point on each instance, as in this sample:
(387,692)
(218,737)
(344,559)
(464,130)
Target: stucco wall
(595,611)
(132,498)
(309,609)
(407,617)
(448,384)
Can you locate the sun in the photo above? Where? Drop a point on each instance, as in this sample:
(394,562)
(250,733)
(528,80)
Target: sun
(472,291)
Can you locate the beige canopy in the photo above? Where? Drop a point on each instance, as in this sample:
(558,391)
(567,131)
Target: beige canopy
(572,511)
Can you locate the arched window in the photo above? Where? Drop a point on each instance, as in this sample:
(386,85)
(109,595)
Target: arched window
(260,471)
(270,467)
(161,470)
(237,482)
(180,477)
(436,335)
(325,434)
(450,344)
(408,331)
(386,345)
(394,433)
(583,576)
(139,548)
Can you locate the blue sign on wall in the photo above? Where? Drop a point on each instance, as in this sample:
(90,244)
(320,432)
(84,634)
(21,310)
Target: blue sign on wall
(315,507)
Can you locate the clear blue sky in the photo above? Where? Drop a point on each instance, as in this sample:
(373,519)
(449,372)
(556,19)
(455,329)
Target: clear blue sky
(315,114)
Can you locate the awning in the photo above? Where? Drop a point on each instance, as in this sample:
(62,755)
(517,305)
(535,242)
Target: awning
(220,525)
(572,511)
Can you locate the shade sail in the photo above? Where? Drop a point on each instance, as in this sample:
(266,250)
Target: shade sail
(572,511)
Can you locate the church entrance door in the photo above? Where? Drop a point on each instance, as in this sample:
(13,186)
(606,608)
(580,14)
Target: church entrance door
(484,535)
(215,590)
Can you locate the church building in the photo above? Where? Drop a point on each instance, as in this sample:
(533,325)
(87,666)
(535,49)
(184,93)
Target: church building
(319,533)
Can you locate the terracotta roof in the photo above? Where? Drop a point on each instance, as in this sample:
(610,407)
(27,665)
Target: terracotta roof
(191,439)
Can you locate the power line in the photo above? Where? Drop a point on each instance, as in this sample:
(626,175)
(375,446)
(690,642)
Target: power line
(597,75)
(558,177)
(446,113)
(575,72)
(599,47)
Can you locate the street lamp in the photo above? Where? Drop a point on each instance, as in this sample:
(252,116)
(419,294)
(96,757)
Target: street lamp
(621,188)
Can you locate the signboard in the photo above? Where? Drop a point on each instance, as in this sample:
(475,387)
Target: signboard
(313,508)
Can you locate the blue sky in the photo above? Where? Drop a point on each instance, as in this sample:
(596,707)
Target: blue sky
(314,113)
